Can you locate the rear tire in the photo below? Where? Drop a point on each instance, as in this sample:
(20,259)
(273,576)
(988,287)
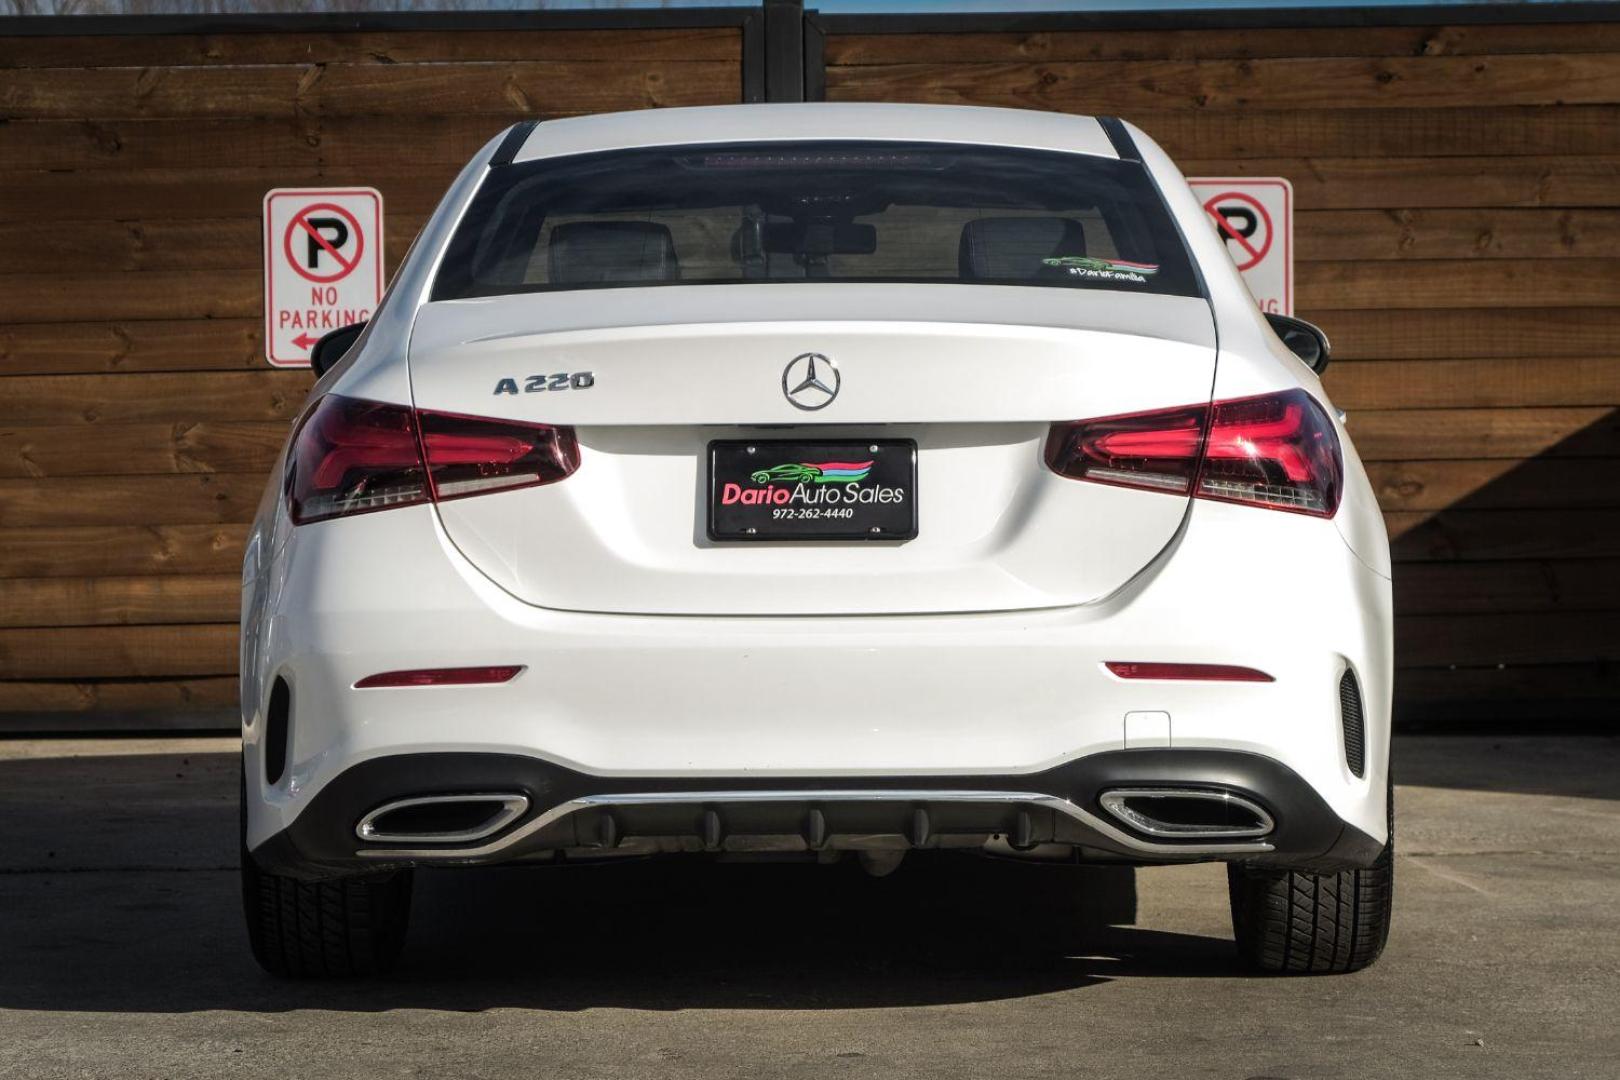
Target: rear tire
(1297,923)
(323,929)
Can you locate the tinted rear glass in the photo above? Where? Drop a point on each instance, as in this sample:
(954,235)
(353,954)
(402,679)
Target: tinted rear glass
(816,211)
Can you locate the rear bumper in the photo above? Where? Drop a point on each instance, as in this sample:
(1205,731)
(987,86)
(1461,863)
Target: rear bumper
(757,702)
(568,810)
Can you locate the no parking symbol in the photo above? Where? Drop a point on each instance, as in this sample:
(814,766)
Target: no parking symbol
(1255,216)
(322,266)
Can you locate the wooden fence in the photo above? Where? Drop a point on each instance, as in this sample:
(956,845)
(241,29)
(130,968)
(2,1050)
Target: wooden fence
(138,418)
(1458,193)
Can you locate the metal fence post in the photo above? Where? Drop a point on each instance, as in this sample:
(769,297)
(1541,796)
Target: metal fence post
(784,50)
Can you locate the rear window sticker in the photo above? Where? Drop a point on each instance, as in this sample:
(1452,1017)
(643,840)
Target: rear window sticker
(1106,269)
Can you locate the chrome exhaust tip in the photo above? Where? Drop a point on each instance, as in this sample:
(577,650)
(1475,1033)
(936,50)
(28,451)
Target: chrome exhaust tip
(441,819)
(1188,813)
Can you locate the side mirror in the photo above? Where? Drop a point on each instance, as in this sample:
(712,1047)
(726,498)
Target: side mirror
(1305,340)
(330,349)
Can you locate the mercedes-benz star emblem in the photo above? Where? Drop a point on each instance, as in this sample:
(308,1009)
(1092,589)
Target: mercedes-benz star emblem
(811,381)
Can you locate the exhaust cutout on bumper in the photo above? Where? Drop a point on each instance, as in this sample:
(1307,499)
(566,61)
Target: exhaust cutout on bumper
(1188,813)
(441,819)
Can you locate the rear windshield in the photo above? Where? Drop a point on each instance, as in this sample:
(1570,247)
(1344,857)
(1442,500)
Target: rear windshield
(816,211)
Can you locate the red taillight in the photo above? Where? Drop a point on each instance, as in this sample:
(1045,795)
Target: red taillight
(468,455)
(353,457)
(451,676)
(1157,450)
(1276,450)
(1136,669)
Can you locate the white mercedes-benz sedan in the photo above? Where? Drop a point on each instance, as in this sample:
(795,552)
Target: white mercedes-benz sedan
(839,481)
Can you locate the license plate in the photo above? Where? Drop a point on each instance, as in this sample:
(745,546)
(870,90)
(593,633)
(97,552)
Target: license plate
(845,490)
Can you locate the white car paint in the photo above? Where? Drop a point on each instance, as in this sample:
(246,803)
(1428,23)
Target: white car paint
(629,533)
(978,648)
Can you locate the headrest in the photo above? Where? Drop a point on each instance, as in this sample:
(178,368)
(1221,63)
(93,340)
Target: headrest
(1013,247)
(592,252)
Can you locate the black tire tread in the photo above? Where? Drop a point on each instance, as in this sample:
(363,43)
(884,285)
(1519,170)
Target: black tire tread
(323,929)
(1290,921)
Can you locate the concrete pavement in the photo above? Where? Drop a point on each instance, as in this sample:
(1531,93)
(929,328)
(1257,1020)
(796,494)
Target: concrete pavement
(122,953)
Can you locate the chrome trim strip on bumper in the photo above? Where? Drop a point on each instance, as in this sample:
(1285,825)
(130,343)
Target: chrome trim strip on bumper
(509,807)
(601,802)
(1114,801)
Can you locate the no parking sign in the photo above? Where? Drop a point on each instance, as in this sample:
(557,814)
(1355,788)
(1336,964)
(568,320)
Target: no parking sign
(1255,216)
(323,266)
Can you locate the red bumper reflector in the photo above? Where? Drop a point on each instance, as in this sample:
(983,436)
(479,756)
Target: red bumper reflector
(1202,672)
(447,676)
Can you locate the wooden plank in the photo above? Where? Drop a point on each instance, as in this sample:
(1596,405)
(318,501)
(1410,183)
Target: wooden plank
(187,244)
(1416,182)
(517,89)
(133,346)
(364,143)
(243,143)
(1464,333)
(106,93)
(1469,535)
(1489,283)
(1106,87)
(282,142)
(154,194)
(1457,434)
(1491,687)
(715,44)
(181,244)
(526,88)
(119,695)
(152,294)
(1565,637)
(137,449)
(82,652)
(301,142)
(1498,484)
(123,550)
(369,47)
(1478,130)
(844,50)
(1343,235)
(1506,382)
(224,498)
(46,400)
(1496,587)
(110,601)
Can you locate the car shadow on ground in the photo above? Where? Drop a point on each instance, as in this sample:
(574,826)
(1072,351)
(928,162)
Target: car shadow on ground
(118,893)
(654,936)
(943,928)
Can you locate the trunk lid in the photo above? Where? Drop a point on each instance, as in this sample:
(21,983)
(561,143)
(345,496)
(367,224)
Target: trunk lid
(974,375)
